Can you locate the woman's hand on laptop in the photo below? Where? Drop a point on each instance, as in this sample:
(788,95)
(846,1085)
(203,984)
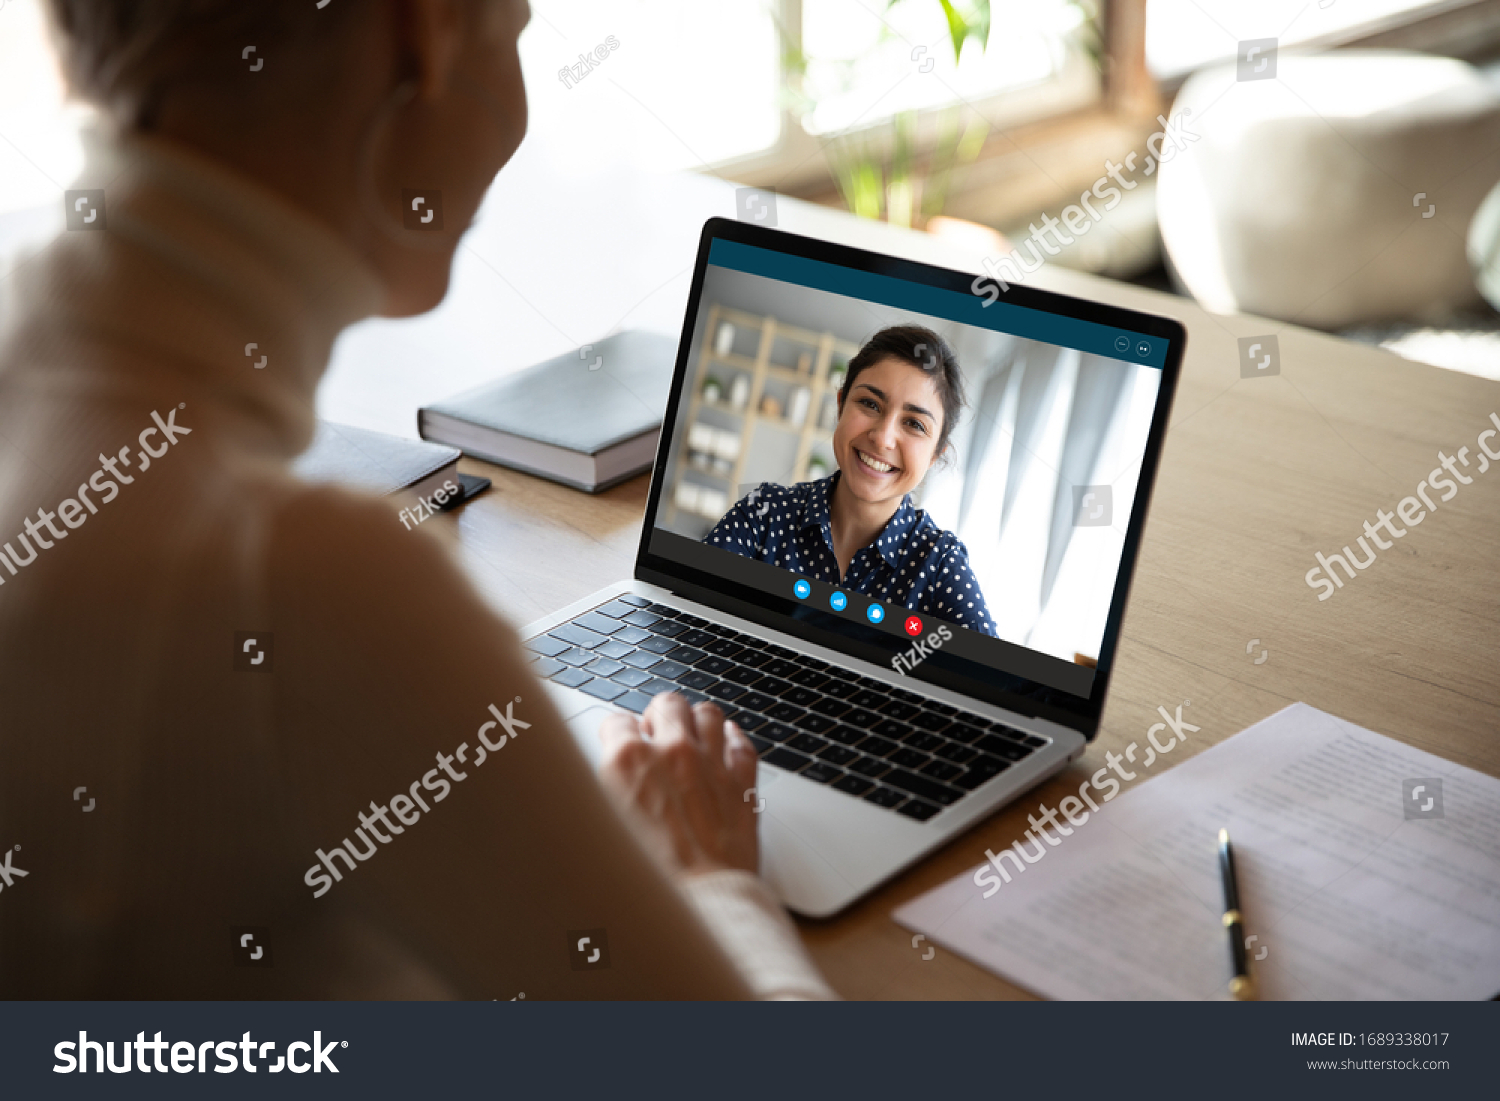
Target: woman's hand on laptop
(682,774)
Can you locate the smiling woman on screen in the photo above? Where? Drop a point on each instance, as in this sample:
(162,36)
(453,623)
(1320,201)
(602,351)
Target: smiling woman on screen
(858,528)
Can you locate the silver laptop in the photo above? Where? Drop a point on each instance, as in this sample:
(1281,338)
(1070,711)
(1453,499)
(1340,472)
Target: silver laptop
(890,712)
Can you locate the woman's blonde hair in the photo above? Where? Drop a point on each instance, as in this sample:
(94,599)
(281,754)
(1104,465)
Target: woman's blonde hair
(123,54)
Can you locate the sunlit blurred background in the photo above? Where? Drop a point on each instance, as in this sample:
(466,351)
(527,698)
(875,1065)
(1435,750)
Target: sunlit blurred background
(977,117)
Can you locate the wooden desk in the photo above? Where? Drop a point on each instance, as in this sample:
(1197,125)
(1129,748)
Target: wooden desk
(1257,475)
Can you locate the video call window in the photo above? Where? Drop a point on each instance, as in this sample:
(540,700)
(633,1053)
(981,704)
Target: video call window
(1005,514)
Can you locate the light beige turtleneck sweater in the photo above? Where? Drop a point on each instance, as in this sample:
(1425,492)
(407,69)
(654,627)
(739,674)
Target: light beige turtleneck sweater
(148,519)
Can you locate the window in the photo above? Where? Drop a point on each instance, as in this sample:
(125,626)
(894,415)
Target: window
(1184,34)
(692,83)
(688,84)
(683,84)
(39,151)
(699,85)
(869,60)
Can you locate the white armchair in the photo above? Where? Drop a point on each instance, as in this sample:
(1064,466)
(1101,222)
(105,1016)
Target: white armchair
(1338,192)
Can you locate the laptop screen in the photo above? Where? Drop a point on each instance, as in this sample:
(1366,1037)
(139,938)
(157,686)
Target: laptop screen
(911,465)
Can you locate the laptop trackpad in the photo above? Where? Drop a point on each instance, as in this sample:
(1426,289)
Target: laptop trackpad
(585,727)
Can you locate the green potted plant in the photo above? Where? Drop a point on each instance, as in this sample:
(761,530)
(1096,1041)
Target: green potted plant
(883,174)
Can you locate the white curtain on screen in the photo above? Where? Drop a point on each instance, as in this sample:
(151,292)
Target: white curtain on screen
(1042,420)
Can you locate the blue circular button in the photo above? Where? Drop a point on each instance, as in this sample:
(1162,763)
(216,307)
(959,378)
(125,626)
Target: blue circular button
(839,601)
(802,588)
(875,613)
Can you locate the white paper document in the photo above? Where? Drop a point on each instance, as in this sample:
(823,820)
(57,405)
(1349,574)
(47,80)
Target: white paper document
(1353,884)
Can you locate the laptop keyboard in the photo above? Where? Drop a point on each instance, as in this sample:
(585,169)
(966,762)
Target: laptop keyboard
(858,735)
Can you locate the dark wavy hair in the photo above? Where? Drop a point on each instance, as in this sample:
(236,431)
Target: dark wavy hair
(926,351)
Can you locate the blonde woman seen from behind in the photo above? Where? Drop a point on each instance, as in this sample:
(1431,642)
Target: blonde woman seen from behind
(294,719)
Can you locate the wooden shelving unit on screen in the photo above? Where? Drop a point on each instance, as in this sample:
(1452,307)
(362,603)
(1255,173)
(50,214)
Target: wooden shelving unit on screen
(824,348)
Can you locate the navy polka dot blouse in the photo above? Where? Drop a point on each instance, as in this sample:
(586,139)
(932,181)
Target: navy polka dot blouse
(912,563)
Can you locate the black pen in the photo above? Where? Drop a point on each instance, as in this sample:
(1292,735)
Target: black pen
(1242,986)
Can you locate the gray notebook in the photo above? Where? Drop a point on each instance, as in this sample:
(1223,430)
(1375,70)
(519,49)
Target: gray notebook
(377,463)
(589,419)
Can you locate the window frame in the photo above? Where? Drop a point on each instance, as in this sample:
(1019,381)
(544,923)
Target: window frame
(1126,93)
